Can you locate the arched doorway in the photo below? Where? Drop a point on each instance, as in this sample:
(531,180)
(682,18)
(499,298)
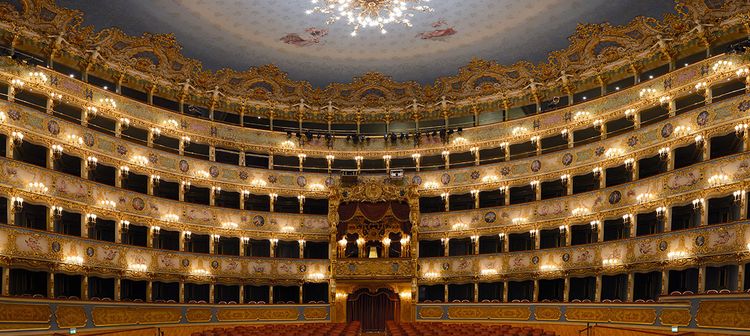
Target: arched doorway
(372,309)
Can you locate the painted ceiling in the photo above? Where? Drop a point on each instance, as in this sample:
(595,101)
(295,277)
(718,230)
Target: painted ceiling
(240,34)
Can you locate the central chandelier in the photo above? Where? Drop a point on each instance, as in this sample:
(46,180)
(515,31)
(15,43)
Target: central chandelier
(369,13)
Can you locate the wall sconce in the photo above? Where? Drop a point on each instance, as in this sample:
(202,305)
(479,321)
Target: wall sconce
(738,195)
(185,140)
(405,295)
(343,242)
(534,140)
(503,148)
(644,197)
(108,204)
(722,65)
(444,196)
(91,219)
(665,100)
(459,227)
(57,212)
(91,112)
(57,151)
(519,130)
(677,255)
(37,187)
(629,164)
(474,193)
(124,171)
(92,162)
(698,204)
(474,239)
(474,150)
(598,124)
(124,225)
(416,157)
(565,134)
(564,179)
(188,235)
(532,233)
(740,129)
(186,186)
(17,83)
(742,72)
(701,86)
(445,240)
(503,190)
(171,123)
(595,225)
(216,190)
(580,115)
(230,225)
(17,138)
(245,241)
(170,218)
(445,154)
(155,179)
(38,76)
(630,114)
(288,144)
(518,220)
(386,158)
(124,123)
(360,241)
(627,219)
(597,172)
(718,179)
(405,240)
(140,160)
(562,229)
(301,199)
(646,92)
(534,185)
(109,102)
(156,230)
(216,237)
(330,158)
(301,157)
(664,153)
(17,203)
(660,211)
(580,211)
(501,236)
(155,132)
(386,241)
(699,140)
(3,117)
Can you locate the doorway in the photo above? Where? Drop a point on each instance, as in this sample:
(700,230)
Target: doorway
(372,309)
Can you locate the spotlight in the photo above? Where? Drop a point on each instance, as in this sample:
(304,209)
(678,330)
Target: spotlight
(288,134)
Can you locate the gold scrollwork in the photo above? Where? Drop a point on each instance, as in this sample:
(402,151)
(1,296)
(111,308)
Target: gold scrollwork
(70,316)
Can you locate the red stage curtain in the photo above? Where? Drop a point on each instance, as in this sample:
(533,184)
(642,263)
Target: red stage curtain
(372,309)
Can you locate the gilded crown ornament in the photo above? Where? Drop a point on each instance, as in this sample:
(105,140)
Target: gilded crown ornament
(369,13)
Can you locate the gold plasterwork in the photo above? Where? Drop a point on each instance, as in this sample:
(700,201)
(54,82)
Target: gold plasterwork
(71,316)
(257,314)
(430,312)
(23,313)
(595,51)
(198,315)
(675,317)
(489,313)
(593,314)
(111,316)
(317,313)
(544,313)
(724,314)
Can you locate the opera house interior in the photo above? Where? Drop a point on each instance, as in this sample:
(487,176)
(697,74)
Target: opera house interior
(374,167)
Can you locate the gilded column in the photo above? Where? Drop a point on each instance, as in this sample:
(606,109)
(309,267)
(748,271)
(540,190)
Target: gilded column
(445,293)
(535,296)
(701,279)
(566,290)
(211,291)
(270,294)
(242,294)
(505,291)
(476,292)
(118,289)
(84,287)
(631,287)
(301,295)
(598,290)
(51,285)
(6,281)
(182,291)
(665,282)
(149,291)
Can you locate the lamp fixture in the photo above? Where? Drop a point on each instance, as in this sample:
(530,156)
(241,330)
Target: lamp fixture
(17,203)
(363,14)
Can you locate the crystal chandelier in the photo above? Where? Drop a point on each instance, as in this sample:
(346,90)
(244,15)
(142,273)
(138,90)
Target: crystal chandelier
(369,13)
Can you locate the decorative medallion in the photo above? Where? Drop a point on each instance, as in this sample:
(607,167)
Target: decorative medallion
(55,246)
(352,267)
(505,171)
(122,150)
(536,165)
(184,166)
(446,266)
(662,245)
(667,83)
(535,260)
(53,127)
(88,139)
(445,178)
(567,159)
(700,240)
(213,171)
(90,251)
(566,257)
(395,267)
(599,151)
(243,175)
(138,204)
(475,175)
(702,118)
(214,131)
(490,217)
(301,181)
(185,262)
(632,141)
(153,158)
(302,268)
(329,181)
(667,130)
(416,180)
(259,221)
(615,197)
(744,106)
(14,114)
(272,178)
(215,264)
